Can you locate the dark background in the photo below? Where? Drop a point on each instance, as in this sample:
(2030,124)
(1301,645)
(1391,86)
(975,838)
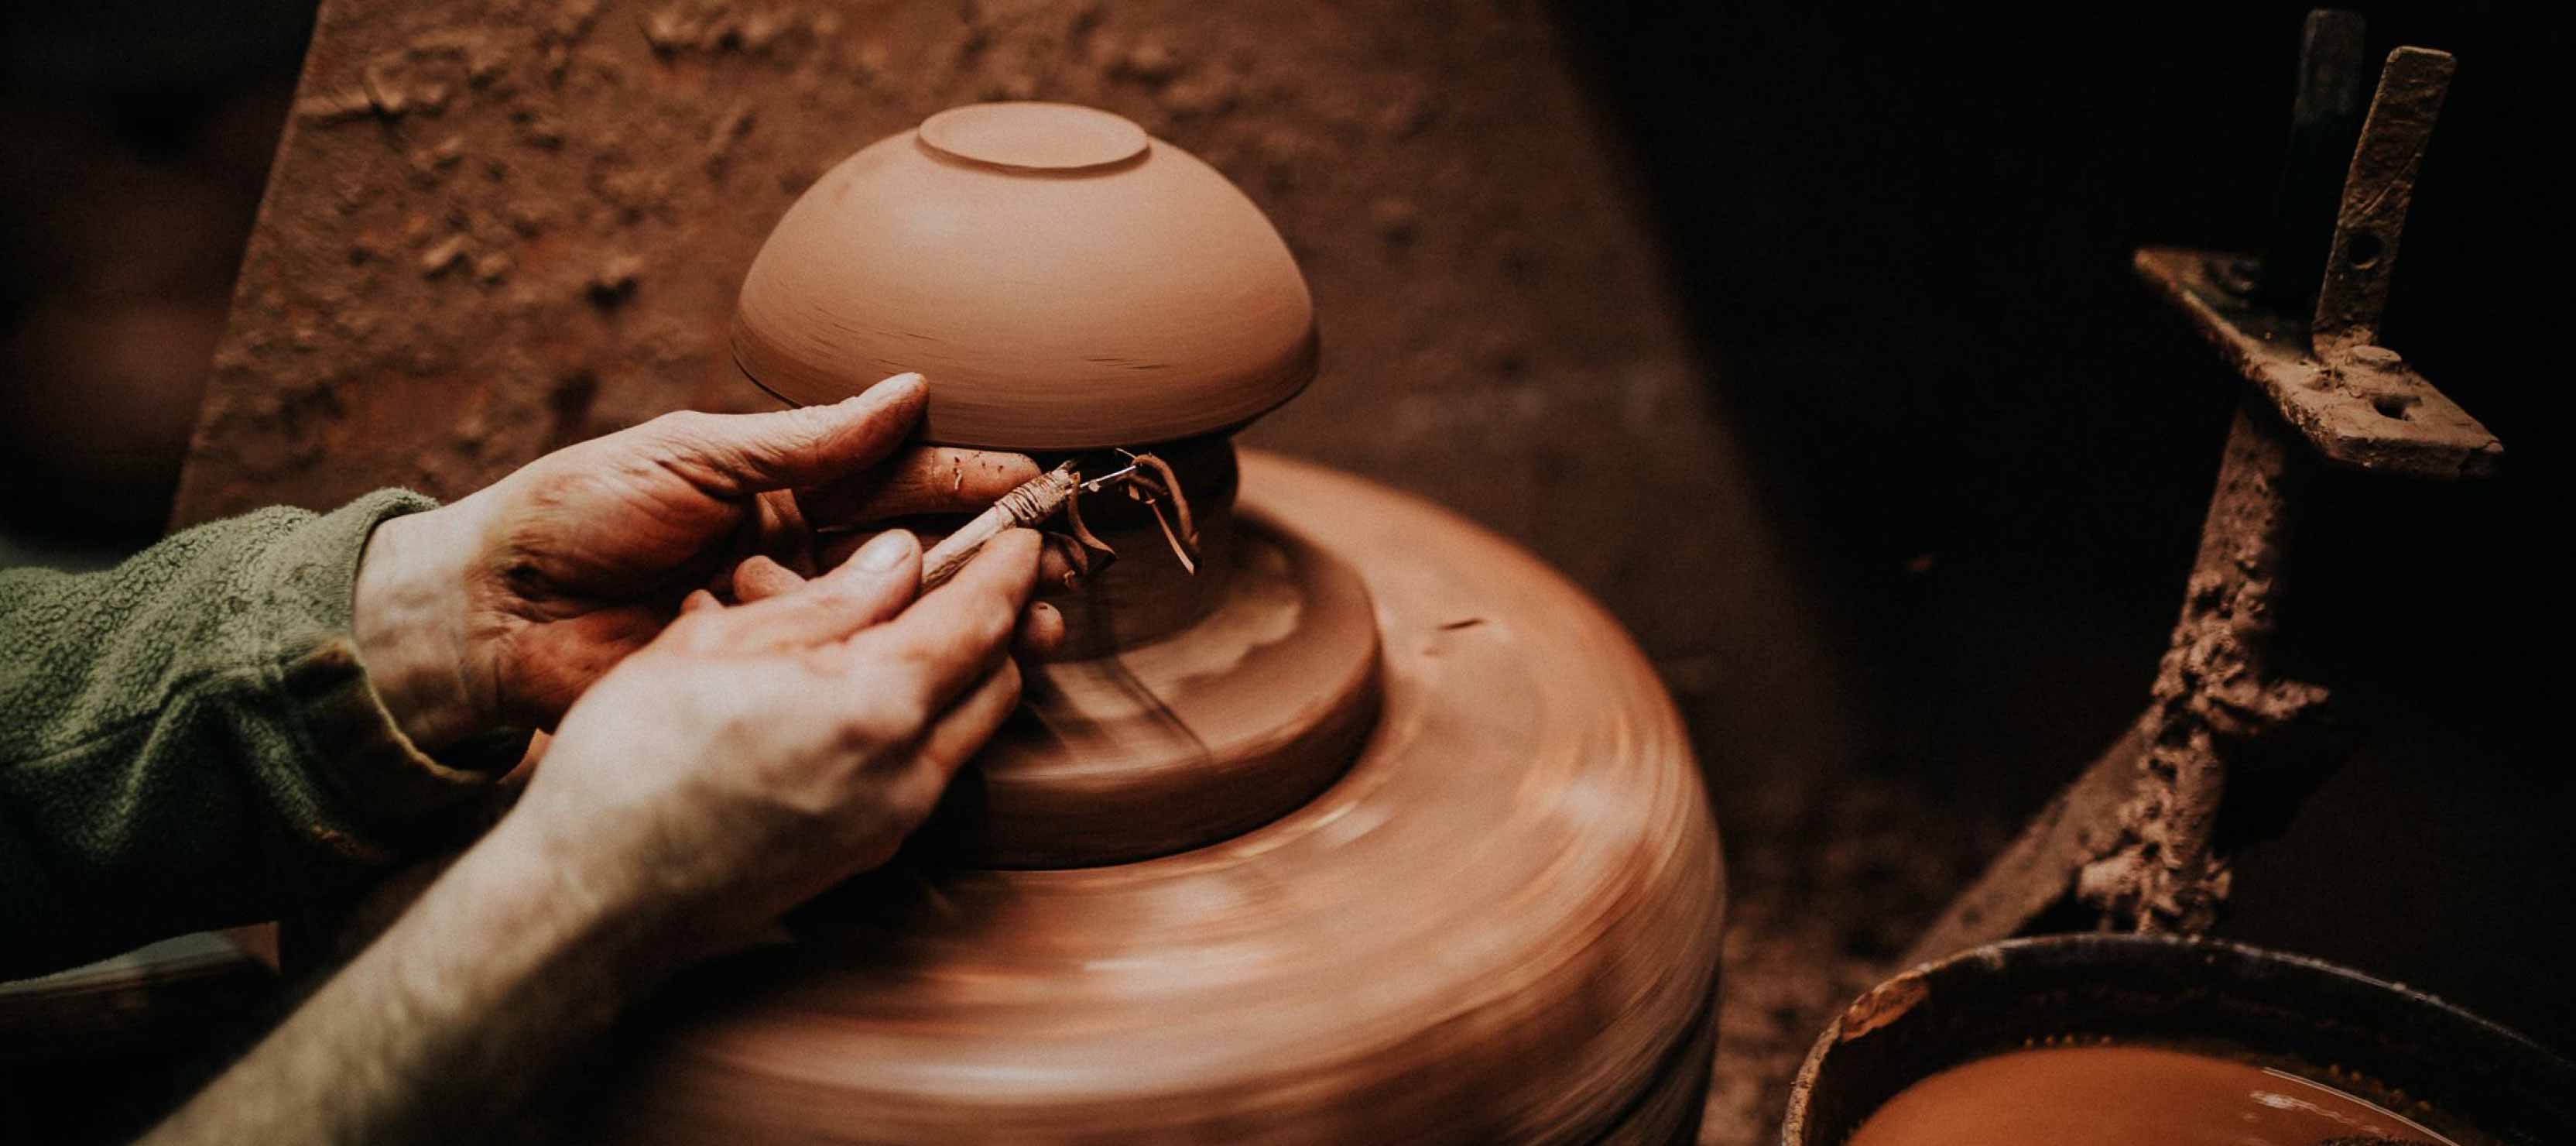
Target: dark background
(1906,231)
(1902,233)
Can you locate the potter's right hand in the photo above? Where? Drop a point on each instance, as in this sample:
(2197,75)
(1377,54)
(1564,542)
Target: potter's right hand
(753,755)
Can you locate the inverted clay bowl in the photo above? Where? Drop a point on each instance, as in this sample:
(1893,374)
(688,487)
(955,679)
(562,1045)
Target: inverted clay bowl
(2448,1070)
(1066,281)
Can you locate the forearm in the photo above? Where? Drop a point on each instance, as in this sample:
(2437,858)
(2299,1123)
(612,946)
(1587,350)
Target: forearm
(509,965)
(202,709)
(749,758)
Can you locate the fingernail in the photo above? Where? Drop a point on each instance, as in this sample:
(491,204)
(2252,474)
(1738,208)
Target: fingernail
(884,551)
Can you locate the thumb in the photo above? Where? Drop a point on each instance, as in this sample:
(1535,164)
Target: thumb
(736,455)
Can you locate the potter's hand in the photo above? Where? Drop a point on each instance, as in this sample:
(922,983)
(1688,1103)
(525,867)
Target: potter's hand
(739,762)
(753,755)
(498,610)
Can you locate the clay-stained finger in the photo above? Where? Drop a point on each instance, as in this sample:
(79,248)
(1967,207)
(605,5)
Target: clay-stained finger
(925,479)
(873,585)
(958,630)
(1041,632)
(759,578)
(736,455)
(780,531)
(1057,567)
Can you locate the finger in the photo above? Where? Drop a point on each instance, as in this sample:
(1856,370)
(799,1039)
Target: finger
(736,455)
(1057,558)
(927,479)
(931,531)
(699,601)
(1041,632)
(833,549)
(957,631)
(875,584)
(519,773)
(951,740)
(759,578)
(1056,567)
(967,725)
(781,532)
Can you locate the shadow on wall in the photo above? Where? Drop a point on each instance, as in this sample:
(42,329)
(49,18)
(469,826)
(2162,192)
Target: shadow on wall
(1906,233)
(140,135)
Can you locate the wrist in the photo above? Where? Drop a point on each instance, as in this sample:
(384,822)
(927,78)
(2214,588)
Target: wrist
(616,908)
(512,887)
(409,619)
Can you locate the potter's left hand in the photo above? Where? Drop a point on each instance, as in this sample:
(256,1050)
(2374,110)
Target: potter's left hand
(500,609)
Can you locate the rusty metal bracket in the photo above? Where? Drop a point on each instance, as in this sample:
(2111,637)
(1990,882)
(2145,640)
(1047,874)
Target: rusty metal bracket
(2132,836)
(2376,194)
(2362,407)
(2358,404)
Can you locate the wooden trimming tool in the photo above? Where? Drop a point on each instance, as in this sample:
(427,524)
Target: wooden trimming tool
(1038,499)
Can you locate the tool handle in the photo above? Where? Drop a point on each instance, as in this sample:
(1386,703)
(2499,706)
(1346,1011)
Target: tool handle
(1034,501)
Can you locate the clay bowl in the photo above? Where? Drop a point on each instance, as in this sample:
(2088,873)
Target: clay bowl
(2402,1049)
(1065,280)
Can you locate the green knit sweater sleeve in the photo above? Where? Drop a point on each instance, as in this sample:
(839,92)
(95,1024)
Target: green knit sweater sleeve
(189,741)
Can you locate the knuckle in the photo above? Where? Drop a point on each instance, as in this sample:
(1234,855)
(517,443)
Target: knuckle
(697,633)
(910,799)
(908,715)
(992,624)
(884,721)
(680,424)
(805,430)
(678,435)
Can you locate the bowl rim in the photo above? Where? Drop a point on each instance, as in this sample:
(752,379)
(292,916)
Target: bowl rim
(2233,962)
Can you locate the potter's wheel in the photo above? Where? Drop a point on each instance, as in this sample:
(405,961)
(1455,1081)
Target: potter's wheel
(1499,925)
(1190,739)
(1372,829)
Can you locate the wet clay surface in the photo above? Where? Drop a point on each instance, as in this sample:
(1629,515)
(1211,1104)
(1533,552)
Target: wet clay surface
(2126,1096)
(1191,739)
(1500,925)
